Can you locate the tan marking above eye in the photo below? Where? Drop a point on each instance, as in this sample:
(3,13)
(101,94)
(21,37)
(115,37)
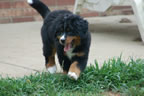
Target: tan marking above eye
(58,37)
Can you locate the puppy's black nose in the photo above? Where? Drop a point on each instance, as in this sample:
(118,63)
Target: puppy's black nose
(62,39)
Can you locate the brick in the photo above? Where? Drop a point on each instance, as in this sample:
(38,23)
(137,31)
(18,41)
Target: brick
(93,14)
(4,13)
(70,8)
(38,18)
(121,7)
(5,20)
(61,8)
(49,2)
(102,14)
(127,12)
(17,12)
(29,12)
(19,4)
(16,0)
(58,2)
(22,19)
(5,0)
(65,2)
(4,4)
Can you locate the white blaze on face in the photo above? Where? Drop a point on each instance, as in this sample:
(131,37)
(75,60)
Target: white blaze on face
(63,37)
(67,47)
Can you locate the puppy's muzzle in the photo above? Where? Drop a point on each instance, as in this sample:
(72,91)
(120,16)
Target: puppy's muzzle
(62,39)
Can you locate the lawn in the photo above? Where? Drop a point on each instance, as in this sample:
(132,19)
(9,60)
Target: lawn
(114,77)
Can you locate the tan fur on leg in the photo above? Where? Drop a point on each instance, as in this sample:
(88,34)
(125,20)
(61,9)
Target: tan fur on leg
(74,71)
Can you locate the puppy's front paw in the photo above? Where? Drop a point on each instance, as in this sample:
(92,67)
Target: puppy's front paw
(73,75)
(52,69)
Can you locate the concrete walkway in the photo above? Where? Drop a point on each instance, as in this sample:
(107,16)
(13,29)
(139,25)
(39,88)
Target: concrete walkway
(21,46)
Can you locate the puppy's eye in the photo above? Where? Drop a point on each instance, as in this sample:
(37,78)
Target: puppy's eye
(59,32)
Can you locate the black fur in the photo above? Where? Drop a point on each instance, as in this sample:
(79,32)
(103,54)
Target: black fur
(40,7)
(57,23)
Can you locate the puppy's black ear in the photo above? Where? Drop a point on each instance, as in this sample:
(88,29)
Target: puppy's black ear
(82,27)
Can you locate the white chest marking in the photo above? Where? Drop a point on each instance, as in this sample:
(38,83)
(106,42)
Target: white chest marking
(70,54)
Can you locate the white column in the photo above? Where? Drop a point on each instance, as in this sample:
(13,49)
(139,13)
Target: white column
(138,7)
(78,6)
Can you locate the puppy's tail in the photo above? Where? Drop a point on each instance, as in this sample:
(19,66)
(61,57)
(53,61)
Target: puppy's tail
(39,6)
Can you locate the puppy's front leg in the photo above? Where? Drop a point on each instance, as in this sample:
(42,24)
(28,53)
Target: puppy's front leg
(76,68)
(74,71)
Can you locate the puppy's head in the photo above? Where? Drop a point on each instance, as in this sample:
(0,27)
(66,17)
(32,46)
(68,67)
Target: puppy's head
(71,30)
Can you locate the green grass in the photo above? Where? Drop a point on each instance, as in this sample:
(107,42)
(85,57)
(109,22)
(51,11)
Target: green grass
(126,79)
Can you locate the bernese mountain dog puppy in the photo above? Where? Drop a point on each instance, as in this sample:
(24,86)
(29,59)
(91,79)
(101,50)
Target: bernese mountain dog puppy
(67,35)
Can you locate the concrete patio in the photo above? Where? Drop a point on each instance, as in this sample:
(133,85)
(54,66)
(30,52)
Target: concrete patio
(21,46)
